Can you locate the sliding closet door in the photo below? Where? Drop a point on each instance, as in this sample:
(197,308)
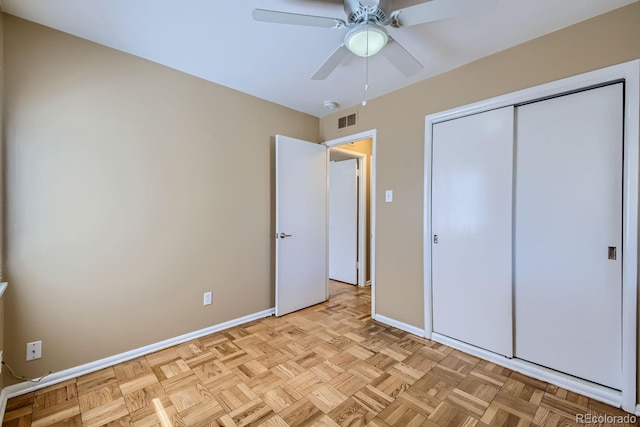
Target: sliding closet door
(471,202)
(568,234)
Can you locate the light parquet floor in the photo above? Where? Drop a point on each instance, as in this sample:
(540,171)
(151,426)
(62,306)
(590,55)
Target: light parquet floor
(327,365)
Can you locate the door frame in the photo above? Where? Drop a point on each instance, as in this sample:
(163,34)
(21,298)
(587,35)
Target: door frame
(334,143)
(362,210)
(629,72)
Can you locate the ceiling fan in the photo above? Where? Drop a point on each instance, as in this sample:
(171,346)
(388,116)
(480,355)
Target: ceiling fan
(367,36)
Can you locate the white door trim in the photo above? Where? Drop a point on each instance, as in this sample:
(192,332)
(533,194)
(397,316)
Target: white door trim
(630,73)
(362,211)
(372,133)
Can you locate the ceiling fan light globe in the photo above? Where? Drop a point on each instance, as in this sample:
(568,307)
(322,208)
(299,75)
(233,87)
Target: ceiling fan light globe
(366,39)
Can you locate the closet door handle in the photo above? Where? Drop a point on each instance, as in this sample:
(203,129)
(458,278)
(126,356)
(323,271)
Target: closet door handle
(435,239)
(612,252)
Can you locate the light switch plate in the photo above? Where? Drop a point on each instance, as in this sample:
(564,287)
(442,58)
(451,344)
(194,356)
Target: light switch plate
(388,196)
(208,298)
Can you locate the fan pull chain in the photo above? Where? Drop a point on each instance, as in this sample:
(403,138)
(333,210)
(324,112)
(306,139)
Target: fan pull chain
(366,81)
(366,74)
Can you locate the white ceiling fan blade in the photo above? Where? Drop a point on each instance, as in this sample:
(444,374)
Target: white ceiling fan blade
(296,19)
(435,10)
(401,59)
(331,63)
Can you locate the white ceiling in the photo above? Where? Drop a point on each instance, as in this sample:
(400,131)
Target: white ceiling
(218,40)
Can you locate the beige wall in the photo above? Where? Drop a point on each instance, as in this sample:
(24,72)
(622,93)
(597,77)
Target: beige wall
(1,198)
(131,189)
(399,119)
(365,147)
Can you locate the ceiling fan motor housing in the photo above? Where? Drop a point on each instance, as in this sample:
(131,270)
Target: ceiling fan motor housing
(376,11)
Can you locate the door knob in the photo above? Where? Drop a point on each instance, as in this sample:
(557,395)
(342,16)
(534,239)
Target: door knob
(283,235)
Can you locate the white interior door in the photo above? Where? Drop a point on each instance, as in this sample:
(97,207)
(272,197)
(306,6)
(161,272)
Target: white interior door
(471,200)
(301,224)
(568,214)
(343,221)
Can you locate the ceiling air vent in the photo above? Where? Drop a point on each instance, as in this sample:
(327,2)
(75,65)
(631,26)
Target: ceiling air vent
(347,121)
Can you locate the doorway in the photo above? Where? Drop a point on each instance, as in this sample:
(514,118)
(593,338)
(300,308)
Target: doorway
(301,221)
(363,146)
(349,213)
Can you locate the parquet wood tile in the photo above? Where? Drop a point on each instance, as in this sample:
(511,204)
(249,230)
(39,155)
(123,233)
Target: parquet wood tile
(522,408)
(495,416)
(449,415)
(377,422)
(301,413)
(398,354)
(433,386)
(391,385)
(281,397)
(305,383)
(344,359)
(366,371)
(446,375)
(327,370)
(99,397)
(399,413)
(144,397)
(19,410)
(185,391)
(288,370)
(275,421)
(480,389)
(112,411)
(348,383)
(381,362)
(326,398)
(420,400)
(372,399)
(159,412)
(406,373)
(350,413)
(264,382)
(251,413)
(55,404)
(329,365)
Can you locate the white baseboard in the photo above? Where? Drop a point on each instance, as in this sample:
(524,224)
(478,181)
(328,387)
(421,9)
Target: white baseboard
(638,410)
(399,325)
(67,374)
(585,388)
(3,403)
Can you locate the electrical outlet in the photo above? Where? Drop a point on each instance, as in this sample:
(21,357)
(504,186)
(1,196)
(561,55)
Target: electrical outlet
(34,350)
(208,298)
